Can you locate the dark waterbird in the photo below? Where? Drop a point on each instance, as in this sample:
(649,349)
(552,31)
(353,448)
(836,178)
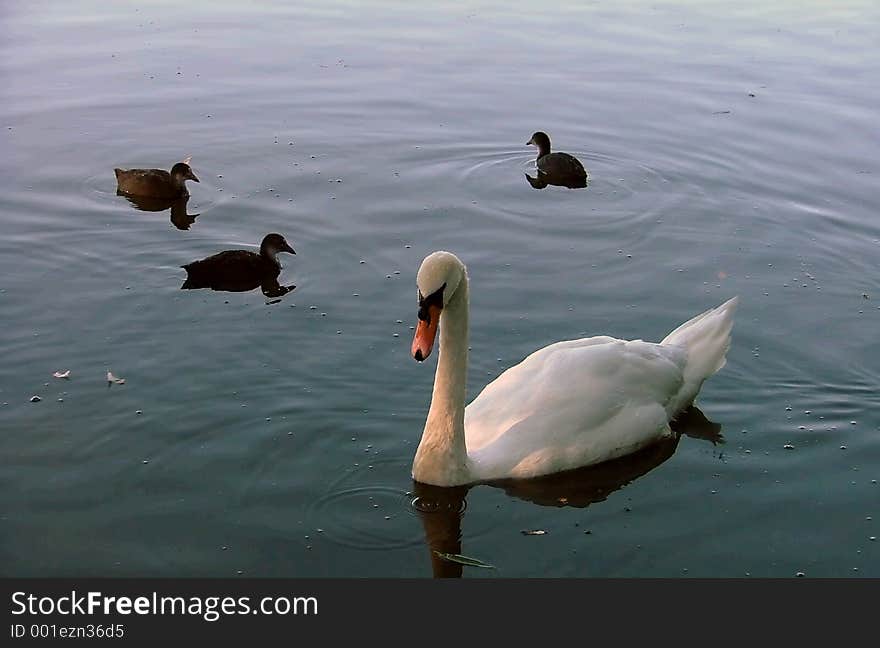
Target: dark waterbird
(179,217)
(241,270)
(155,183)
(559,169)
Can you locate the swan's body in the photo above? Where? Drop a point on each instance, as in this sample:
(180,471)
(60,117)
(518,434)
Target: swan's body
(570,404)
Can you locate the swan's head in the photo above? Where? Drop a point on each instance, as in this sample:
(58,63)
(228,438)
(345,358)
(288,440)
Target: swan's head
(438,279)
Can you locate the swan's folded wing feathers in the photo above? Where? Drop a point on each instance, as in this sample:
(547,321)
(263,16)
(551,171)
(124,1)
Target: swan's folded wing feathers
(570,402)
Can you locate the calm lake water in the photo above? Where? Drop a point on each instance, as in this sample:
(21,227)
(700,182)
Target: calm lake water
(732,150)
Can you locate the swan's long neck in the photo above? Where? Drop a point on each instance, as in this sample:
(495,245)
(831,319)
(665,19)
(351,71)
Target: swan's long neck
(441,458)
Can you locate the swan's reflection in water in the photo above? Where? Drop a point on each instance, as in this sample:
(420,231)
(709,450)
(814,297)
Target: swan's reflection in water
(542,180)
(179,218)
(442,509)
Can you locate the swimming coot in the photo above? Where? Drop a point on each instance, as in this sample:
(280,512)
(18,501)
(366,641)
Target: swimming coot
(239,270)
(155,183)
(565,168)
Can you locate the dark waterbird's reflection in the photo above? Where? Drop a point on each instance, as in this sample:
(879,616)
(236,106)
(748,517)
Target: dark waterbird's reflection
(442,509)
(241,270)
(179,218)
(542,180)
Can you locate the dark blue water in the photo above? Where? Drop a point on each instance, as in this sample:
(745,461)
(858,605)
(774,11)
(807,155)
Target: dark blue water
(732,149)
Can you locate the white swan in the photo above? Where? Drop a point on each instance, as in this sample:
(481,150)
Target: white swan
(568,405)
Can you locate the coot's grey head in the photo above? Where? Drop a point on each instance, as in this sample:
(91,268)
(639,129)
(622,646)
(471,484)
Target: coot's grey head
(182,171)
(541,140)
(274,243)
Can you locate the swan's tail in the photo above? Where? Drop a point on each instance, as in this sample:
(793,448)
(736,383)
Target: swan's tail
(707,339)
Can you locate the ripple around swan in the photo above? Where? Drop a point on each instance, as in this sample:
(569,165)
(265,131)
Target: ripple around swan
(428,504)
(376,515)
(363,518)
(368,516)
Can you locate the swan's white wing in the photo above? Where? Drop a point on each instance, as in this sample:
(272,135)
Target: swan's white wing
(572,404)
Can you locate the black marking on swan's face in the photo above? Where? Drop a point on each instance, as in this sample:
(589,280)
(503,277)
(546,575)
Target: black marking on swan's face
(434,299)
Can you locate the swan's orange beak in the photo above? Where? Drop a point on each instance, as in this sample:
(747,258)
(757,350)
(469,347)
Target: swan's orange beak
(426,332)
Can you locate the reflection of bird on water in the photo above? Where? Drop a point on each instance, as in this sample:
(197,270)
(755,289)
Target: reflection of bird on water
(584,486)
(543,180)
(179,217)
(155,183)
(559,169)
(442,509)
(241,270)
